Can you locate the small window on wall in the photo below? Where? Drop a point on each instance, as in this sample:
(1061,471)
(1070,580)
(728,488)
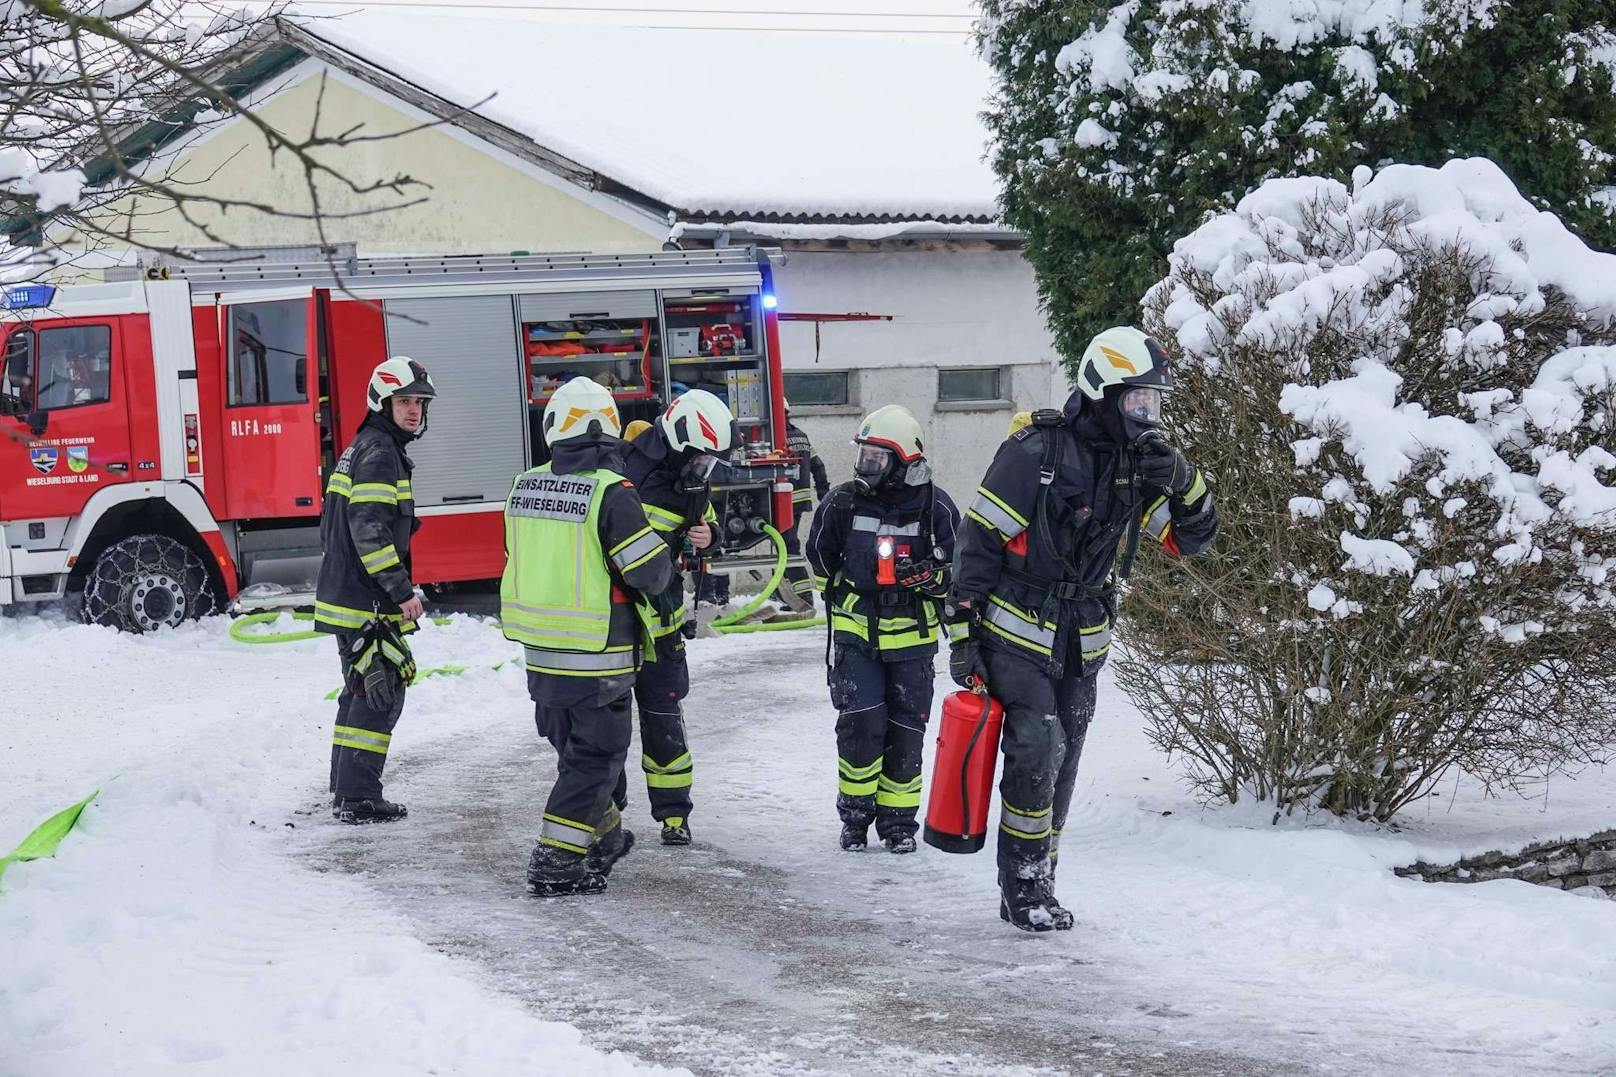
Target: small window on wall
(268,353)
(971,385)
(75,366)
(822,388)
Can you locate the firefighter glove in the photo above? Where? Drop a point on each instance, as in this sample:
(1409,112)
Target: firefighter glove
(923,576)
(966,664)
(1163,466)
(380,663)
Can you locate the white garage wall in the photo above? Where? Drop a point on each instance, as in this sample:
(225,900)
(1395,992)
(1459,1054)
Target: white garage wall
(951,309)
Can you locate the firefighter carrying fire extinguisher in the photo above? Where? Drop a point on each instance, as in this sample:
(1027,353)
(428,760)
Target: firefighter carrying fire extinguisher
(364,595)
(670,466)
(1034,594)
(880,548)
(580,562)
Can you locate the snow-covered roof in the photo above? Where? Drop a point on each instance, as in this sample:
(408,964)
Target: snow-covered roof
(715,123)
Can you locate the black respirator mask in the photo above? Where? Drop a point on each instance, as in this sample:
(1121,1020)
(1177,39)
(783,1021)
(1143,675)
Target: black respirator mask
(697,474)
(877,466)
(1139,411)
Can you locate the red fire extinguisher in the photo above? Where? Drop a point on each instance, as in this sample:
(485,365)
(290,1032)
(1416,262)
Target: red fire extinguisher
(962,773)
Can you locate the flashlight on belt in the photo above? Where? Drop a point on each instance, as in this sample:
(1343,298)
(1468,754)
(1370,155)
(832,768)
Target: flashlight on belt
(885,560)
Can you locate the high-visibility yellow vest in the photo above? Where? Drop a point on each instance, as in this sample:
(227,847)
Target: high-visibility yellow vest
(555,594)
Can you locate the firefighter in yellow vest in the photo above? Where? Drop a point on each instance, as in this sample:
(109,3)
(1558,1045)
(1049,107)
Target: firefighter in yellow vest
(580,559)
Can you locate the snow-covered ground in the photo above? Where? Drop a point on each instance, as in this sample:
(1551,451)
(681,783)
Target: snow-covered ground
(207,916)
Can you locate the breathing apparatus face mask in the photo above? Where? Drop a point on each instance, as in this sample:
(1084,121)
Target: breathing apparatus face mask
(1140,408)
(873,466)
(698,472)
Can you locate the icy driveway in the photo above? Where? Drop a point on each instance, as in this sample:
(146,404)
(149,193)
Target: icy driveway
(189,928)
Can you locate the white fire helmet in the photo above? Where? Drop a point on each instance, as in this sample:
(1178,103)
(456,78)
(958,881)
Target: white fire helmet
(890,445)
(398,376)
(580,408)
(700,421)
(1122,356)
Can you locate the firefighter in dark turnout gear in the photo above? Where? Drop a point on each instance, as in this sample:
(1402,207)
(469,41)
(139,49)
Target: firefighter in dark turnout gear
(1034,593)
(365,527)
(810,469)
(880,547)
(580,559)
(670,466)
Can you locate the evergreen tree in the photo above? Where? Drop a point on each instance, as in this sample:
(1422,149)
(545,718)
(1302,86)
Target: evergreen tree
(1119,127)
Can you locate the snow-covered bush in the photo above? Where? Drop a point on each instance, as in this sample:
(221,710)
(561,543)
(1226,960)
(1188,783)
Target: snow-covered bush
(1119,125)
(1406,393)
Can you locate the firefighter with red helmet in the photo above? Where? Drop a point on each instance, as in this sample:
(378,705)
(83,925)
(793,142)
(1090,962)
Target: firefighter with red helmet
(1034,591)
(671,465)
(581,563)
(364,595)
(880,548)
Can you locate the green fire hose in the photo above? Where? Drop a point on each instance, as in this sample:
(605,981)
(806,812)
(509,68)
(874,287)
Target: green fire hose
(239,633)
(729,622)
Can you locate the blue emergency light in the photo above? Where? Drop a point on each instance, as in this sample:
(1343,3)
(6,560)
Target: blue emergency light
(769,302)
(29,296)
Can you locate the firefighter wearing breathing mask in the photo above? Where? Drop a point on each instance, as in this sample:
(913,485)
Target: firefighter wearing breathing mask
(670,465)
(1034,593)
(880,548)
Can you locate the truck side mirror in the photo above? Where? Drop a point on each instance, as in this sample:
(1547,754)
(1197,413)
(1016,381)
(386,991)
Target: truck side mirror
(36,422)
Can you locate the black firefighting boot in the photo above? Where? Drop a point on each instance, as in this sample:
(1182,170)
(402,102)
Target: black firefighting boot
(373,810)
(608,850)
(1030,905)
(855,836)
(553,872)
(675,830)
(899,843)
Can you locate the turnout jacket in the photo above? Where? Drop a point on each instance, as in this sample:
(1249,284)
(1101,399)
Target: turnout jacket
(366,522)
(811,467)
(1036,560)
(890,621)
(651,465)
(635,571)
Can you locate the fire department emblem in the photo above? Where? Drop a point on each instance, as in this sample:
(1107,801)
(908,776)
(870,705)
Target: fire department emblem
(44,459)
(78,457)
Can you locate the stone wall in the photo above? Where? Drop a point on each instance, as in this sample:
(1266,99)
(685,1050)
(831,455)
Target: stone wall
(1583,864)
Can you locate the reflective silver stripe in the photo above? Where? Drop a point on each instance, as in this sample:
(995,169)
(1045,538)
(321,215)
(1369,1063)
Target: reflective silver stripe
(1035,826)
(604,662)
(1019,627)
(1096,640)
(638,549)
(996,515)
(539,611)
(557,829)
(1158,519)
(871,523)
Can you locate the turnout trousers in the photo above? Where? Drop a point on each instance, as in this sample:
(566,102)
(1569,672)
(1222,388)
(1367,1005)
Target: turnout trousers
(591,741)
(1045,723)
(664,751)
(880,734)
(361,737)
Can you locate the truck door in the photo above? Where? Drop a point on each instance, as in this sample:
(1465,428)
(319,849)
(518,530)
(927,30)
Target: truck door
(271,409)
(64,415)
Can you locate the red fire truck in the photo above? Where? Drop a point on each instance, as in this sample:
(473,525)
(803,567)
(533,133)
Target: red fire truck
(167,440)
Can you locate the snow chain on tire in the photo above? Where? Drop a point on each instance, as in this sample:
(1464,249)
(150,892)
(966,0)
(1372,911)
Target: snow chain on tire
(146,582)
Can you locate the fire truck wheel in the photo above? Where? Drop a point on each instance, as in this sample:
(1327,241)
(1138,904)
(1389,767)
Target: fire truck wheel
(146,582)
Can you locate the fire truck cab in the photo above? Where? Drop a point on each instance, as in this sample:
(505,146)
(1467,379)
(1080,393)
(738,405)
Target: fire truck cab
(167,441)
